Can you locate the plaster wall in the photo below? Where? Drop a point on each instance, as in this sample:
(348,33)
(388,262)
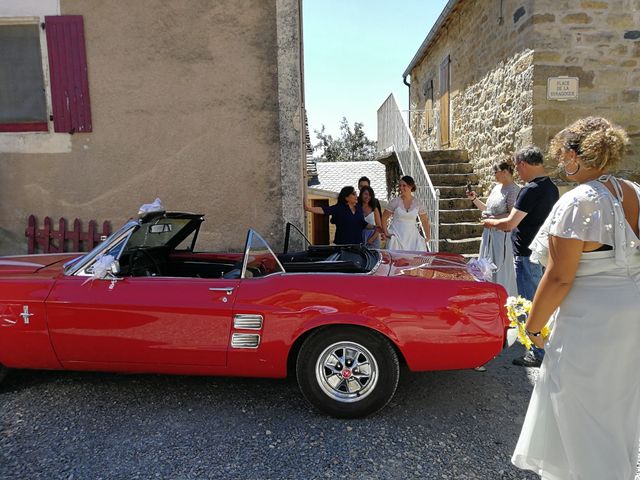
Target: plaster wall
(27,8)
(185,100)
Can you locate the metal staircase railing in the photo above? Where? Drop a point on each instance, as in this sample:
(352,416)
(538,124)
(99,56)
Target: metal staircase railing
(394,135)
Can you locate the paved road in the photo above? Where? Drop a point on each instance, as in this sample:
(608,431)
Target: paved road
(440,425)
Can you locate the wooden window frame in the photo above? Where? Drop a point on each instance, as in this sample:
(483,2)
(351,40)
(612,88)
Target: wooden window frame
(445,103)
(65,75)
(31,126)
(428,106)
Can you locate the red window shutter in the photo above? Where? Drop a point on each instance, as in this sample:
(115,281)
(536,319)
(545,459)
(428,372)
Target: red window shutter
(68,74)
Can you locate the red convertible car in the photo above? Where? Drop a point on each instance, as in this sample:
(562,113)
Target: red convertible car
(341,318)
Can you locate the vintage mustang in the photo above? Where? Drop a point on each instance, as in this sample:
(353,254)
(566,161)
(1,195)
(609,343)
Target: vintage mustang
(341,318)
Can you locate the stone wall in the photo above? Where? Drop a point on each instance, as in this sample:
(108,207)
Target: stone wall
(598,42)
(499,72)
(491,76)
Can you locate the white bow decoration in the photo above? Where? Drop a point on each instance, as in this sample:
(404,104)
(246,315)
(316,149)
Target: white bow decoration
(101,268)
(155,206)
(481,268)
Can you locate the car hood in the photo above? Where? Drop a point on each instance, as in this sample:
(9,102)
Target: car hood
(33,263)
(443,266)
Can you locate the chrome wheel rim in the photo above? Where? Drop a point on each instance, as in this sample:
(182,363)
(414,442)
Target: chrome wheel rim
(346,372)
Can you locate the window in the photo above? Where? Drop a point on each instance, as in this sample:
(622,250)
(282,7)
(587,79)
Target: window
(23,76)
(445,82)
(428,106)
(23,104)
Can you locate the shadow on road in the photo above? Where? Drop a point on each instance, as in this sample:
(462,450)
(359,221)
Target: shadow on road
(453,424)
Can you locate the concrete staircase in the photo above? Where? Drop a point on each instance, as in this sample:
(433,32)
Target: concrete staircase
(460,227)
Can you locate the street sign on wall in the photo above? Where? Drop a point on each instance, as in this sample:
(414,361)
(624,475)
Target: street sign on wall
(562,88)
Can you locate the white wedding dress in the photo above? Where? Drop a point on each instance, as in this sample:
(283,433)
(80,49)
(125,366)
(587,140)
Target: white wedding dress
(583,421)
(403,227)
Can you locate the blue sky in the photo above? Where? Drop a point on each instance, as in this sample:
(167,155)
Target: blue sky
(355,52)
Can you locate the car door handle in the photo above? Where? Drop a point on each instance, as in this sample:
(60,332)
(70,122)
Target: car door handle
(228,290)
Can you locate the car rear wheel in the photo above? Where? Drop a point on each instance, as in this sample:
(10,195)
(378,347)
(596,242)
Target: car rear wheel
(347,372)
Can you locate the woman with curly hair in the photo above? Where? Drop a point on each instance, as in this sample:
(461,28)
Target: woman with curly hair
(583,420)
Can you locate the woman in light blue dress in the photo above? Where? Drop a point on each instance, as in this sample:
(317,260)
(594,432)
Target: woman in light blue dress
(496,245)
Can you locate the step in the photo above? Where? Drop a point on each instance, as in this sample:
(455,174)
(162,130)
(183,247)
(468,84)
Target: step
(444,156)
(469,246)
(455,203)
(461,230)
(456,216)
(441,168)
(454,179)
(448,191)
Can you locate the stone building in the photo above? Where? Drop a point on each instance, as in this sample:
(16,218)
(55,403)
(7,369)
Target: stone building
(108,105)
(485,79)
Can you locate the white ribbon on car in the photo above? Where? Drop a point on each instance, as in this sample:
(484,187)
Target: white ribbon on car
(101,268)
(481,268)
(155,206)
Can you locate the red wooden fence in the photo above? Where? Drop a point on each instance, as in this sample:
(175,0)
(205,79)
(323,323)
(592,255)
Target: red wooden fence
(49,240)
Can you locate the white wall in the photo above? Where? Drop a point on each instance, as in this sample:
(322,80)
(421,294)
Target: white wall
(29,8)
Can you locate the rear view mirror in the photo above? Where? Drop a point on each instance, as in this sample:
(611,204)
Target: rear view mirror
(160,228)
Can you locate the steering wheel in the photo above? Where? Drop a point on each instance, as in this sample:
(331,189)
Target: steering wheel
(149,268)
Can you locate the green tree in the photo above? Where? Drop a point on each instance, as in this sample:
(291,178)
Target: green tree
(352,146)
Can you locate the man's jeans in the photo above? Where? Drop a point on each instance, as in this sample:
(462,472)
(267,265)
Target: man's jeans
(528,276)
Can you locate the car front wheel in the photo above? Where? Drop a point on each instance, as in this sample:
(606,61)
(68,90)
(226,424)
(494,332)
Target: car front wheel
(347,372)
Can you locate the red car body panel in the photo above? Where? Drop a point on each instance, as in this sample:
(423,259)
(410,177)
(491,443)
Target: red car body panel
(436,314)
(25,343)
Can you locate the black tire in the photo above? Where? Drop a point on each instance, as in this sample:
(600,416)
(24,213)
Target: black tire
(3,372)
(338,390)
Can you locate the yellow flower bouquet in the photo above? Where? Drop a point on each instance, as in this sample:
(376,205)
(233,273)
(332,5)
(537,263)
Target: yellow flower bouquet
(518,309)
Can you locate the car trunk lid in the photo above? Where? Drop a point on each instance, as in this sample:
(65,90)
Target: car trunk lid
(443,266)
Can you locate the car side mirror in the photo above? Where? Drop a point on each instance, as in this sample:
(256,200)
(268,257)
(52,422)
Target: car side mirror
(114,268)
(106,267)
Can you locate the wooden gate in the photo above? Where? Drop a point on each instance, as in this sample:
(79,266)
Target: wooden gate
(49,240)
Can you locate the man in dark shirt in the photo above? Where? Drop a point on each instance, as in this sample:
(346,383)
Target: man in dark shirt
(533,204)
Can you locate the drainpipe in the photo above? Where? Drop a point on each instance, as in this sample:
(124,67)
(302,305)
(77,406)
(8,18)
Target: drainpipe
(404,80)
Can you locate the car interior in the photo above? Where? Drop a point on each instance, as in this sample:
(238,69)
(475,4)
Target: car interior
(164,244)
(159,261)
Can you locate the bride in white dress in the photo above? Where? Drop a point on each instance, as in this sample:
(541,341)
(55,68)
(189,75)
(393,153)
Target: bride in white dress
(403,233)
(583,421)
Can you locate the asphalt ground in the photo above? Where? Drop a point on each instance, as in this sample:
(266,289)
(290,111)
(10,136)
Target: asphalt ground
(440,425)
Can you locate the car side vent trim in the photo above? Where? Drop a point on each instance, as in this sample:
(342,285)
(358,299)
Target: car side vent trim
(247,321)
(245,340)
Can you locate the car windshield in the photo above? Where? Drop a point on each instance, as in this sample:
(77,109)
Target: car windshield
(73,264)
(259,259)
(157,232)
